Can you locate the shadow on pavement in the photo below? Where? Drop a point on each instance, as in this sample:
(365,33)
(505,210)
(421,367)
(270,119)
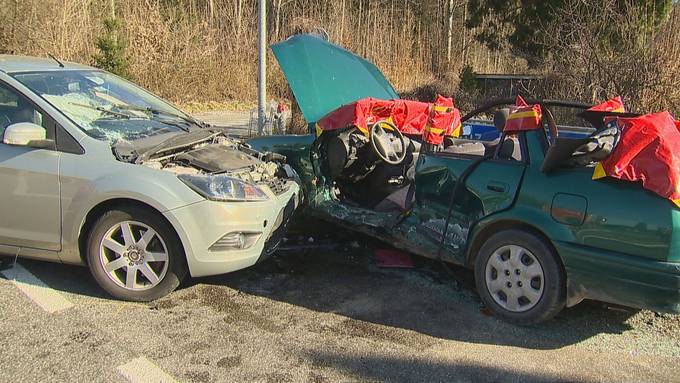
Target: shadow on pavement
(425,299)
(393,369)
(65,278)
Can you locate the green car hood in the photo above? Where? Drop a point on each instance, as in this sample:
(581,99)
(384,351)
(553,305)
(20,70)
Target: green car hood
(324,76)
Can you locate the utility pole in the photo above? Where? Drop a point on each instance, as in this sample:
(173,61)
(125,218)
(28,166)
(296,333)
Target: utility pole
(262,67)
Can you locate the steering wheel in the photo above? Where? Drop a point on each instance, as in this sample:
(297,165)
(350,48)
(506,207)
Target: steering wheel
(552,125)
(388,142)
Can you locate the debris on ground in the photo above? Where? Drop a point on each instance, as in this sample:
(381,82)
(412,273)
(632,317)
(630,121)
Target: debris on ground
(390,258)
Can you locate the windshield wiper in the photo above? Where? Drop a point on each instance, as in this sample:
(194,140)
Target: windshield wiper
(153,111)
(102,109)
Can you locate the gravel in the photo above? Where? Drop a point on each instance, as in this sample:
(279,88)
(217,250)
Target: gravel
(321,316)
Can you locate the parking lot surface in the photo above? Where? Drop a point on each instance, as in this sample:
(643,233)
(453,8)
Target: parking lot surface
(317,315)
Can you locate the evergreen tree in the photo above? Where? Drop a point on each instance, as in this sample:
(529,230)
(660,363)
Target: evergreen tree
(521,23)
(111,46)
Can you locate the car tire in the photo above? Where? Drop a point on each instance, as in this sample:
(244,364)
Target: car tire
(135,255)
(520,278)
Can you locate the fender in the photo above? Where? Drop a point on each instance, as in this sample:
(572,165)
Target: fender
(159,189)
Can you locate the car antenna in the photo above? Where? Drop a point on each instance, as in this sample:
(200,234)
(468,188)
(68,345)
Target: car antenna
(61,65)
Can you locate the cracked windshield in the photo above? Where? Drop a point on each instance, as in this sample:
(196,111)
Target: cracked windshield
(105,106)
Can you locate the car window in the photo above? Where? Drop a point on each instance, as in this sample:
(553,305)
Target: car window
(509,150)
(480,138)
(105,106)
(15,108)
(569,123)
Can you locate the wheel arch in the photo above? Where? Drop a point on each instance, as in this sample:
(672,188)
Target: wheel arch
(494,227)
(111,204)
(574,296)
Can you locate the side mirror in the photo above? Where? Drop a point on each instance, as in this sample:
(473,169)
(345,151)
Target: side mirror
(27,134)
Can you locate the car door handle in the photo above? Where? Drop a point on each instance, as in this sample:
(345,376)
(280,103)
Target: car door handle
(499,187)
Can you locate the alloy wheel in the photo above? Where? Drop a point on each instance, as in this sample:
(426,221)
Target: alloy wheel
(133,255)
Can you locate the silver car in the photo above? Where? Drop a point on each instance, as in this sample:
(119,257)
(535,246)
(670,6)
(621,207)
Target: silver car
(96,171)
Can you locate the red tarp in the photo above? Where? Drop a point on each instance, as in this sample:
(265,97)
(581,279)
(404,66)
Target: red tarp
(614,105)
(431,120)
(523,117)
(389,258)
(648,151)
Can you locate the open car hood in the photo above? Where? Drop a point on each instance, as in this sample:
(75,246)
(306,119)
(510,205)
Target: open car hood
(324,76)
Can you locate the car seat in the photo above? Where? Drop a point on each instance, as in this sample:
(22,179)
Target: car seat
(23,112)
(4,121)
(510,148)
(465,147)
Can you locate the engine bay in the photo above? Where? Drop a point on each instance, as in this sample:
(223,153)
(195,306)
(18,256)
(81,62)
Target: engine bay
(212,153)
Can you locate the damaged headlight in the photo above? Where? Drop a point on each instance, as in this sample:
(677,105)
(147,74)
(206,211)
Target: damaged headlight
(220,187)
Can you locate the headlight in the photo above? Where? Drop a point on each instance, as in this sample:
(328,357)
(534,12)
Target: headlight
(220,187)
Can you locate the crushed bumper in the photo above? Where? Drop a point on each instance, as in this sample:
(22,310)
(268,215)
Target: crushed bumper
(277,235)
(201,225)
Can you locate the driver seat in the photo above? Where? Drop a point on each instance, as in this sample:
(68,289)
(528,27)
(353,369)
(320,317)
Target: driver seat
(510,148)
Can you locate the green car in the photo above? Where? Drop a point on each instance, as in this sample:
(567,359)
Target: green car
(539,233)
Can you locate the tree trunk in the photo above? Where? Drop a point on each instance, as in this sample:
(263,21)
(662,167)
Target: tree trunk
(239,23)
(449,33)
(277,18)
(464,46)
(342,22)
(211,9)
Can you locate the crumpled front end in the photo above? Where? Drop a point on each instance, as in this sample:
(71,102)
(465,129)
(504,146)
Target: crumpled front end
(249,198)
(221,237)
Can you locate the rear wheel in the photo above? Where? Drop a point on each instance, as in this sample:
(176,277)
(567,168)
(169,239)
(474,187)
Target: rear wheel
(520,278)
(135,255)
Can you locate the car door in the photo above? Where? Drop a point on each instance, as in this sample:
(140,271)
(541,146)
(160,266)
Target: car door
(489,188)
(29,180)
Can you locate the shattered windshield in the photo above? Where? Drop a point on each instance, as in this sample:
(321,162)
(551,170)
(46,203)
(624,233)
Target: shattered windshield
(105,106)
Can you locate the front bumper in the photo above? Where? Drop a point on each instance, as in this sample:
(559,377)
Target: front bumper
(621,279)
(202,224)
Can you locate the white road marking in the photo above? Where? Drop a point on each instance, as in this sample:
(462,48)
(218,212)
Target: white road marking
(142,370)
(44,296)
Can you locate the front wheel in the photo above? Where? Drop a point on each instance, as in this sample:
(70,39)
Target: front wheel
(135,255)
(520,278)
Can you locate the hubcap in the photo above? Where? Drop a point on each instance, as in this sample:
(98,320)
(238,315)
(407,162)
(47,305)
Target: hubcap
(514,278)
(133,256)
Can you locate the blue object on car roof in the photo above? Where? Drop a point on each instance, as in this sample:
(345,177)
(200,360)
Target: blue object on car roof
(485,131)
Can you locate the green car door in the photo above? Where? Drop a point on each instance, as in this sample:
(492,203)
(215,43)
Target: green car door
(490,188)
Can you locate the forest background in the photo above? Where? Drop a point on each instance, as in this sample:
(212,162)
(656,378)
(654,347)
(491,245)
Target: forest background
(202,54)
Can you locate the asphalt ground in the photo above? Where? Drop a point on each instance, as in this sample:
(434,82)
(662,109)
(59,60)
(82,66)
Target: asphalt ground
(321,314)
